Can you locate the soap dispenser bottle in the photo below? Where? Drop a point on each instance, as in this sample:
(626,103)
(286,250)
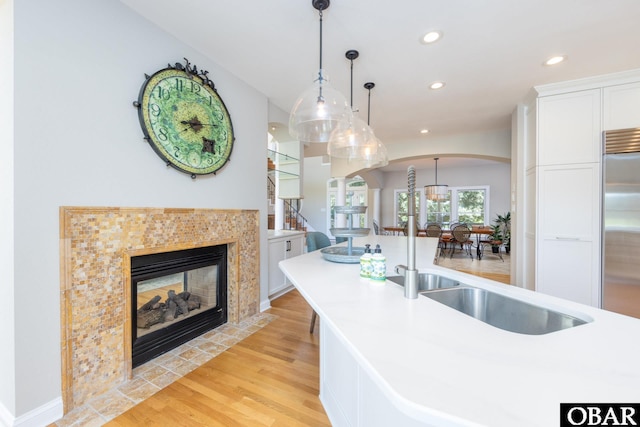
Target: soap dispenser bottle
(379,266)
(365,262)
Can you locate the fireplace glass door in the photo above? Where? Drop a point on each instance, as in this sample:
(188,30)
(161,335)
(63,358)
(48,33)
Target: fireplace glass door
(176,296)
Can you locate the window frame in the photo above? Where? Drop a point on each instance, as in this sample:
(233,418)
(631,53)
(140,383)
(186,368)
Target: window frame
(453,199)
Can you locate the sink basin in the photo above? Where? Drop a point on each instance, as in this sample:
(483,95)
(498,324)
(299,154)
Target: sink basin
(428,281)
(503,312)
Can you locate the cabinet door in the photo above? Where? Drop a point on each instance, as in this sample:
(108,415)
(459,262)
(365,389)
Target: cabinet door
(569,128)
(568,201)
(567,269)
(621,106)
(568,235)
(277,250)
(296,246)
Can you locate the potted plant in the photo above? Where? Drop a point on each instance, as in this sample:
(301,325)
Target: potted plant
(504,222)
(496,238)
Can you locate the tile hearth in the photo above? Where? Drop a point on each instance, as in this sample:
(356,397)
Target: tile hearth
(162,371)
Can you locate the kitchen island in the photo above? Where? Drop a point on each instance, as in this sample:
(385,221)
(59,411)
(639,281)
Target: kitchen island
(388,360)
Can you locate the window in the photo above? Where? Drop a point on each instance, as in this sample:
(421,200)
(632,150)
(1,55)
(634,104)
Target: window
(439,212)
(466,204)
(402,206)
(359,188)
(471,206)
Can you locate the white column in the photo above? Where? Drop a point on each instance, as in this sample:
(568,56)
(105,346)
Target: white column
(341,219)
(278,214)
(375,208)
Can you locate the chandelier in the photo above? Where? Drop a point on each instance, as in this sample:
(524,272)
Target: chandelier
(436,192)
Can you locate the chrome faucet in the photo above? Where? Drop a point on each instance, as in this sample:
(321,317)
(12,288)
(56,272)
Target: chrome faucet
(410,272)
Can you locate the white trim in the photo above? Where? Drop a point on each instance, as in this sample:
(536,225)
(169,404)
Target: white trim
(40,416)
(594,82)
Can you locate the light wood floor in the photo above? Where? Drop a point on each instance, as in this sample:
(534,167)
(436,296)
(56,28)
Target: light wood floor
(271,378)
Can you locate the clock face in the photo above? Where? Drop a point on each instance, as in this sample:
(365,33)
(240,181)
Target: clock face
(185,121)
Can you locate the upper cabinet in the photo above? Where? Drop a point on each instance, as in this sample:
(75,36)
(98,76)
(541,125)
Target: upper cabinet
(621,106)
(569,128)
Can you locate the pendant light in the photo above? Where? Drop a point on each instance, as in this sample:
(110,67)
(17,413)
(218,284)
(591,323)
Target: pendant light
(436,192)
(321,108)
(381,158)
(353,139)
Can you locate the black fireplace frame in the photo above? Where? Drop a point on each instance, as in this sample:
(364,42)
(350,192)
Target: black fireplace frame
(145,267)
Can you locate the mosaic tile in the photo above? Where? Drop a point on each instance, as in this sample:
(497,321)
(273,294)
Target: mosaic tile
(95,242)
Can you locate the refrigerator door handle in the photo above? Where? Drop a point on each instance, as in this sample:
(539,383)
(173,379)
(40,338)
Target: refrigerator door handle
(567,238)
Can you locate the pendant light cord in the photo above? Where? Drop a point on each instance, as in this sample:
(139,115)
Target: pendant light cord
(320,11)
(369,108)
(351,85)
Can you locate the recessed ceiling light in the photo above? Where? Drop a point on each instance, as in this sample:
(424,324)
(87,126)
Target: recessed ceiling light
(431,36)
(555,60)
(436,85)
(424,131)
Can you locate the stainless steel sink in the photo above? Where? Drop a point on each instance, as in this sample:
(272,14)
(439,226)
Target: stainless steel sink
(428,281)
(503,312)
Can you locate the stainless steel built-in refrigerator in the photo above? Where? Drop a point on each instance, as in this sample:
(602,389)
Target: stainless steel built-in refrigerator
(621,222)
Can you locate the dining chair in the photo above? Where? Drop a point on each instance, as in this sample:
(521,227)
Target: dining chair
(433,229)
(461,235)
(376,227)
(317,240)
(405,229)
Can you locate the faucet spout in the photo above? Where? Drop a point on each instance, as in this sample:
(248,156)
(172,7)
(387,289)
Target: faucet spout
(411,274)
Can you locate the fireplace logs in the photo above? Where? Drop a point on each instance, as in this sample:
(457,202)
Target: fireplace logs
(154,311)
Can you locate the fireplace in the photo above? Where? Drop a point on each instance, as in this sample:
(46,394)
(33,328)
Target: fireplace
(96,248)
(176,296)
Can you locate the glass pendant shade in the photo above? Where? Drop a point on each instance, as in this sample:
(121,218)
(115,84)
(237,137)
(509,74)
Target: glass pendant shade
(381,157)
(318,112)
(352,140)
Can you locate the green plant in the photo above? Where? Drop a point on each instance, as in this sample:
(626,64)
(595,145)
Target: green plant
(503,223)
(496,236)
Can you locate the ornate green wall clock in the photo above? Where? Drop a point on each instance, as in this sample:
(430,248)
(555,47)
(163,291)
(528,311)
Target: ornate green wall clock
(184,119)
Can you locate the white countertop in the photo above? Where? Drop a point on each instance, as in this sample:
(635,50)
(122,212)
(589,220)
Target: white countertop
(432,360)
(274,234)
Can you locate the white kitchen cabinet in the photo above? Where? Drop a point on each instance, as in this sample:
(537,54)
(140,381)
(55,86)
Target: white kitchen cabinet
(569,128)
(568,234)
(567,222)
(621,106)
(349,395)
(561,207)
(282,245)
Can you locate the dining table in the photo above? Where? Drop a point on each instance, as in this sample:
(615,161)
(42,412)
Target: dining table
(477,230)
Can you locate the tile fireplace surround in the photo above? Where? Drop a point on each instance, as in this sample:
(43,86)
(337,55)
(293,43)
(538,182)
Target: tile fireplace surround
(96,246)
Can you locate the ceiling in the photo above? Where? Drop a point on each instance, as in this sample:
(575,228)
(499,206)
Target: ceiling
(490,56)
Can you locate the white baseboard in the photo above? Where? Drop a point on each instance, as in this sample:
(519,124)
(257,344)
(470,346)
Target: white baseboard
(6,418)
(265,305)
(38,417)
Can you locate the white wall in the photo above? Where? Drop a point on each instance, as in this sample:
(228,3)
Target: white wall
(78,67)
(7,313)
(496,176)
(314,204)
